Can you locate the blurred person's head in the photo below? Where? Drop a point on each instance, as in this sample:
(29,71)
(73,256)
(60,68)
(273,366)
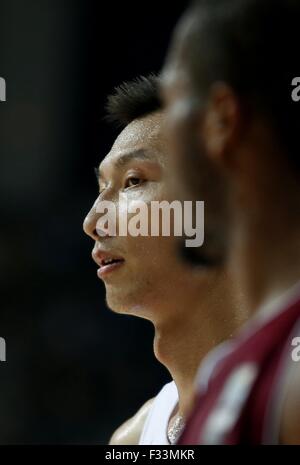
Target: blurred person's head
(149,279)
(228,90)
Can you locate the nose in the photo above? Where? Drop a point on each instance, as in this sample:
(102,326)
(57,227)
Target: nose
(89,224)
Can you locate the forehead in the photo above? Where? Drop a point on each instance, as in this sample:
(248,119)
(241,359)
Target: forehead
(146,133)
(175,75)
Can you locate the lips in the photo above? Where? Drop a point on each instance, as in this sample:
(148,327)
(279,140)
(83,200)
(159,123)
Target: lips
(107,262)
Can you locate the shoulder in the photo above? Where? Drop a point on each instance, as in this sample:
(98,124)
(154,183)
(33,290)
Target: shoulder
(129,432)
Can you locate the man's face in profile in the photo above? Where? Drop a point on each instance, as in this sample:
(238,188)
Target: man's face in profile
(147,274)
(182,118)
(193,172)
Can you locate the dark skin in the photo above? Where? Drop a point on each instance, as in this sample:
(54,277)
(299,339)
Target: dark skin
(264,190)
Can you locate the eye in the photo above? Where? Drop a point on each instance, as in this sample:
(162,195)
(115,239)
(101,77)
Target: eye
(133,181)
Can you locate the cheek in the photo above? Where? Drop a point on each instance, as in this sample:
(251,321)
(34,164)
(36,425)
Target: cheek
(154,256)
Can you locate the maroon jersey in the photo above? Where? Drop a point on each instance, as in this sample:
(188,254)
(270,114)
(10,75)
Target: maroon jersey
(239,400)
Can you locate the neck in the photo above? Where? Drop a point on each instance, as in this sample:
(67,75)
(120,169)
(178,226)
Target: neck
(203,320)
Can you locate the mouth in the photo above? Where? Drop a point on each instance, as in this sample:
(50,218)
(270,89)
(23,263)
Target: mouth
(107,262)
(108,266)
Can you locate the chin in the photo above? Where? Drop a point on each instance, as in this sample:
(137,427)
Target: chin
(124,305)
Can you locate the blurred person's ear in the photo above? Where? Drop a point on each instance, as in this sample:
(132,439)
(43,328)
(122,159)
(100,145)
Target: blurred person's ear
(220,126)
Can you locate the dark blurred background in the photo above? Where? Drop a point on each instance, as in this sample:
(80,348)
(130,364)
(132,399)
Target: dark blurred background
(74,370)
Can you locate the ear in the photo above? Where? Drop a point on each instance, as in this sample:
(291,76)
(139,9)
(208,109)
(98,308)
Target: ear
(220,124)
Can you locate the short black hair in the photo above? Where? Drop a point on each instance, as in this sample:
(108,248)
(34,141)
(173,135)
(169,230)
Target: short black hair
(253,45)
(133,99)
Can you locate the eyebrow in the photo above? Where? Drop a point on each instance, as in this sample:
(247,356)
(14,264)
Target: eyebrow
(140,154)
(126,158)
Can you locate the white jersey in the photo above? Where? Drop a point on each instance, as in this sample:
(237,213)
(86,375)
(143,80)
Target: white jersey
(157,421)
